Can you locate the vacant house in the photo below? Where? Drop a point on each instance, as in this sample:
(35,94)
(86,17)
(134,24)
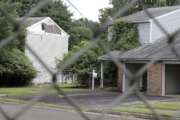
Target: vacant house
(49,41)
(161,78)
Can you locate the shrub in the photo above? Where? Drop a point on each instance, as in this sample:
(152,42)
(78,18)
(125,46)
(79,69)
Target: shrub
(15,68)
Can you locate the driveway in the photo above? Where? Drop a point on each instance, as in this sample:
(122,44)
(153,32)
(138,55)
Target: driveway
(54,114)
(92,100)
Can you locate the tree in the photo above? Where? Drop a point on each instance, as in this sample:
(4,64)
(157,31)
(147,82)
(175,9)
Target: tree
(140,5)
(83,66)
(59,13)
(104,13)
(24,6)
(82,29)
(79,33)
(4,22)
(125,36)
(15,68)
(94,26)
(54,9)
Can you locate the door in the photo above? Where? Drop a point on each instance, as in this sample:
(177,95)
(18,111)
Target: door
(144,82)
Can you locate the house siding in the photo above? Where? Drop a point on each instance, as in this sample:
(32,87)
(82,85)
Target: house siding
(169,22)
(144,33)
(48,47)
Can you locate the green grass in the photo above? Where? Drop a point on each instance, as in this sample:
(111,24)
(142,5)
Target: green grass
(25,91)
(38,104)
(165,109)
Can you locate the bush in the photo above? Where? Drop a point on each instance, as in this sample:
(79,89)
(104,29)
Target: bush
(15,68)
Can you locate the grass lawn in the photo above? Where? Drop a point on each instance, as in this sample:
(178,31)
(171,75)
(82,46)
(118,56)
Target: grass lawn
(33,90)
(165,109)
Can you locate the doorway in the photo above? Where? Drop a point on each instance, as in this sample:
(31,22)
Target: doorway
(143,87)
(143,81)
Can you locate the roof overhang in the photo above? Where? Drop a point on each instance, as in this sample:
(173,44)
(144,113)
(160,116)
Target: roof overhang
(110,56)
(137,60)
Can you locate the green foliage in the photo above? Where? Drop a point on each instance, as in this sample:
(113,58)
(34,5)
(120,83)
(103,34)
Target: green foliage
(15,68)
(59,13)
(141,4)
(54,9)
(83,66)
(79,29)
(124,36)
(82,29)
(9,26)
(82,32)
(94,26)
(5,23)
(78,33)
(157,3)
(104,13)
(24,6)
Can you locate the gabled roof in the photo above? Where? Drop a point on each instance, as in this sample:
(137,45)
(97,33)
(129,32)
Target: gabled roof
(155,12)
(147,52)
(47,26)
(30,20)
(109,55)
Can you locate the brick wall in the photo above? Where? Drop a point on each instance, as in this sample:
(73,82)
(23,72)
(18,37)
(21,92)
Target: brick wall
(155,80)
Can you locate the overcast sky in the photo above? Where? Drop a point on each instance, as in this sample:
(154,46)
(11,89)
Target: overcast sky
(89,8)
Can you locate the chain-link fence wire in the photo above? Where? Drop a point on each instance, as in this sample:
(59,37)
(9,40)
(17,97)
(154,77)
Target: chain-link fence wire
(134,78)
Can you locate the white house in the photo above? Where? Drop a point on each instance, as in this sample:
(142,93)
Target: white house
(149,31)
(49,41)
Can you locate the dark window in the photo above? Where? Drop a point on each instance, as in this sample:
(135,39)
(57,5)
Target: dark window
(43,26)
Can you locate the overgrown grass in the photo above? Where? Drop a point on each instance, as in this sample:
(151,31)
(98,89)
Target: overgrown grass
(165,109)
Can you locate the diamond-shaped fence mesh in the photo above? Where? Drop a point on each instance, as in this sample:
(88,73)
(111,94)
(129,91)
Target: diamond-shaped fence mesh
(134,78)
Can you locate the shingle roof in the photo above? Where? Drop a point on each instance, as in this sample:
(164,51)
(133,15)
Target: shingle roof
(143,17)
(146,52)
(159,50)
(30,20)
(49,28)
(109,55)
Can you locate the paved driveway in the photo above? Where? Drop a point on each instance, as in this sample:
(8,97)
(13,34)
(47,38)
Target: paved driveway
(54,114)
(91,99)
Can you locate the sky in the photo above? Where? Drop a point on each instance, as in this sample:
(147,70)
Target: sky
(89,8)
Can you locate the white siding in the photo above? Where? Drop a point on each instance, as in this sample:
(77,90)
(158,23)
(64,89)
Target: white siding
(144,33)
(170,22)
(48,47)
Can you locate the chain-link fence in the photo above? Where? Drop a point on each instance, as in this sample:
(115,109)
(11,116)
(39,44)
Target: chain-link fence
(129,75)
